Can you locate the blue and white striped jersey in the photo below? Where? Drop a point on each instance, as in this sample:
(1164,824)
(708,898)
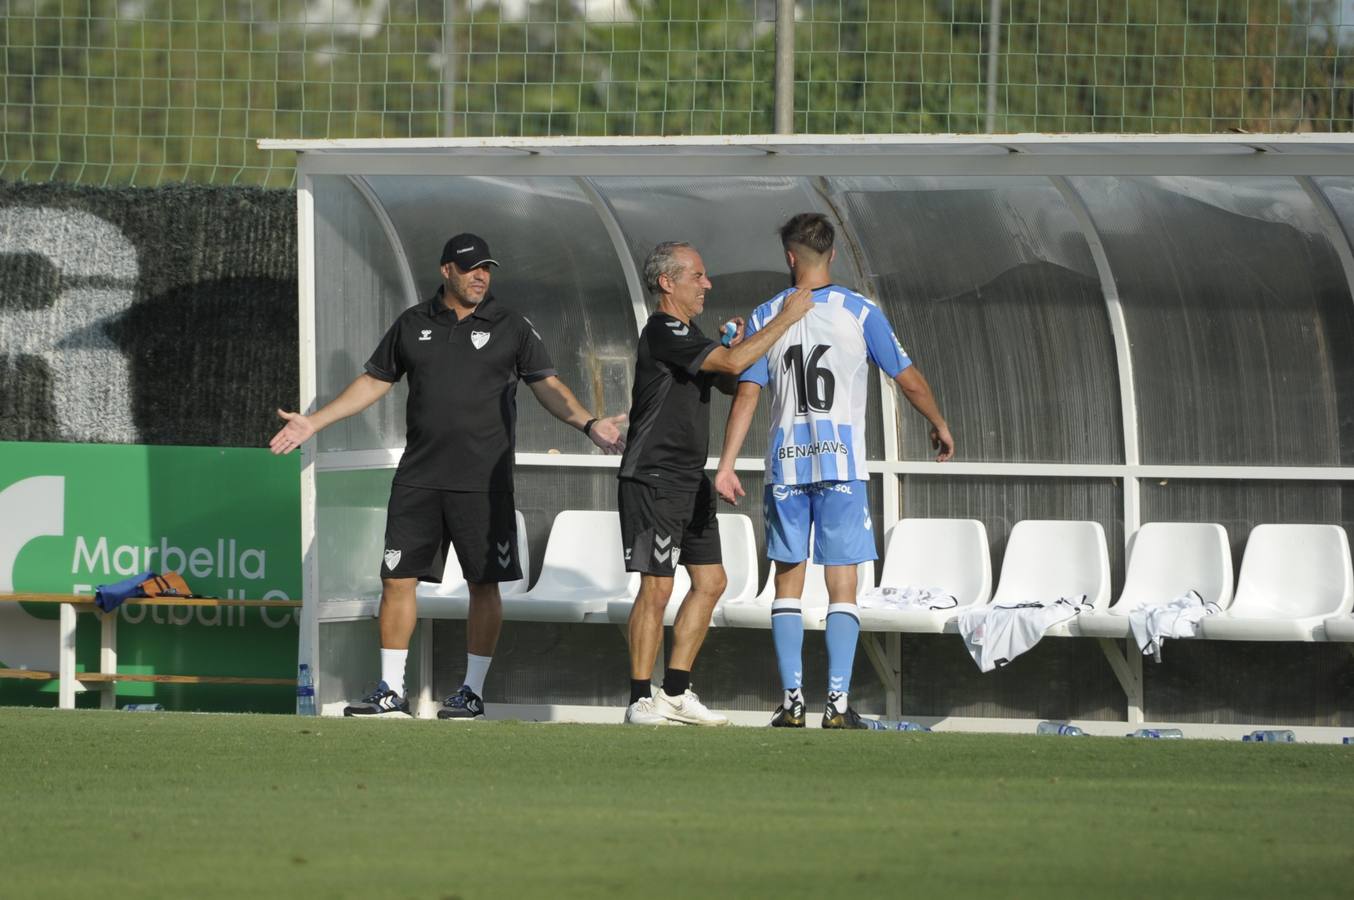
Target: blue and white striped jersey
(817,375)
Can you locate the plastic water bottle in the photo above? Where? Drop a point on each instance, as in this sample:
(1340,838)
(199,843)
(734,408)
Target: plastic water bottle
(143,707)
(1161,733)
(905,725)
(1059,728)
(1271,736)
(895,725)
(726,334)
(305,692)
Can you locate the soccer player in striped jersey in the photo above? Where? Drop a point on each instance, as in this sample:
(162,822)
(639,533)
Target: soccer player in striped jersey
(815,463)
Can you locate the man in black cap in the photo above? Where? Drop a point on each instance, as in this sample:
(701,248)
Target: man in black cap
(464,353)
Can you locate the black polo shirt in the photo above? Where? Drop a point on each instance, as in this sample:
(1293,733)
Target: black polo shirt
(669,437)
(461,421)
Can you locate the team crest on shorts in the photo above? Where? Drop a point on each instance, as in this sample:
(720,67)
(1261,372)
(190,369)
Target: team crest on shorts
(479,338)
(392,559)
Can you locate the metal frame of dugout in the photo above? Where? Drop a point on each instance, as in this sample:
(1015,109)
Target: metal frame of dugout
(1316,169)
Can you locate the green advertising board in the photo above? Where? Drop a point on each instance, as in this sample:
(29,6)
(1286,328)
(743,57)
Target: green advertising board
(73,516)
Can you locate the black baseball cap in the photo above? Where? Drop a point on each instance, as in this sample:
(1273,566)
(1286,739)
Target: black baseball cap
(468,251)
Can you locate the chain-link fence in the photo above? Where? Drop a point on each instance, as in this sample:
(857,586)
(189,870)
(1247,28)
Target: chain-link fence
(149,91)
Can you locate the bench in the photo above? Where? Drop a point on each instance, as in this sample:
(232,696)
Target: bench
(107,677)
(1295,584)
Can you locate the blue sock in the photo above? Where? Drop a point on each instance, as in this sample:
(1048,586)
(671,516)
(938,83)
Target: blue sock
(787,633)
(843,629)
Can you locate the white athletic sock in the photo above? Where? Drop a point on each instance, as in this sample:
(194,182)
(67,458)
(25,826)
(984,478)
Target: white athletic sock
(392,669)
(792,696)
(476,667)
(837,700)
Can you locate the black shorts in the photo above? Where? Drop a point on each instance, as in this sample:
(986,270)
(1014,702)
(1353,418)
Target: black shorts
(480,526)
(661,527)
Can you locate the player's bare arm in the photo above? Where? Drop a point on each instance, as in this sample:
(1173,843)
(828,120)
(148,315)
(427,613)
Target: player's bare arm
(727,483)
(918,392)
(363,392)
(561,403)
(734,360)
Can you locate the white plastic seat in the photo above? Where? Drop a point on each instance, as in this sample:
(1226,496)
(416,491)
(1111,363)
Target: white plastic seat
(1293,578)
(582,571)
(451,598)
(1166,559)
(1047,559)
(738,546)
(756,612)
(950,554)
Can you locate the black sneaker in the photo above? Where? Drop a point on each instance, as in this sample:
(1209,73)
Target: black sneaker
(789,718)
(848,719)
(464,704)
(379,704)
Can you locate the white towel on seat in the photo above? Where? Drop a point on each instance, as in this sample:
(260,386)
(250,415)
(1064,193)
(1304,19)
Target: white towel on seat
(995,635)
(906,598)
(1151,625)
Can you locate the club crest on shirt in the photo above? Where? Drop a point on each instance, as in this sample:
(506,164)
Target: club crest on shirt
(392,559)
(479,338)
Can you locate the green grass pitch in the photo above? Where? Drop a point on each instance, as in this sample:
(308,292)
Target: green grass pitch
(118,804)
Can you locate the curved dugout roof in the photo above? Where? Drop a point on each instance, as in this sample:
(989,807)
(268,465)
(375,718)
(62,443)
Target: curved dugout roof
(1171,300)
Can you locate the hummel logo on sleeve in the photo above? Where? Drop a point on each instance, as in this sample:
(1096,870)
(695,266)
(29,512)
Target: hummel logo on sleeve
(678,328)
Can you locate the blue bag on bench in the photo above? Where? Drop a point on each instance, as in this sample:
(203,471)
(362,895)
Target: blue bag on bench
(109,597)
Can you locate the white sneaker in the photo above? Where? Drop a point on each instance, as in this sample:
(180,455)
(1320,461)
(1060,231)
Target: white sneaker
(687,709)
(641,713)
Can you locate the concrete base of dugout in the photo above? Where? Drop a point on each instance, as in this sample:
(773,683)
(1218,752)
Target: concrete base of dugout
(613,715)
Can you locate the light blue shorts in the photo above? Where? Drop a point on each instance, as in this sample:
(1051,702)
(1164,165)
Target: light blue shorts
(836,512)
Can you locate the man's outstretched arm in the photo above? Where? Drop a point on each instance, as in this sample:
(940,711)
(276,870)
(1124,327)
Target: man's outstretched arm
(363,392)
(561,403)
(734,360)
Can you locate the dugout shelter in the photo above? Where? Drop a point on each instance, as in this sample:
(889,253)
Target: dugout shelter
(1120,329)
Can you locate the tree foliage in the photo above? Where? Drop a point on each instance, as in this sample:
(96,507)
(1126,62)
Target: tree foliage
(155,90)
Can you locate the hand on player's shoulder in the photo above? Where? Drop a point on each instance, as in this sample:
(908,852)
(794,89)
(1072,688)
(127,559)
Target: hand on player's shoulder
(798,304)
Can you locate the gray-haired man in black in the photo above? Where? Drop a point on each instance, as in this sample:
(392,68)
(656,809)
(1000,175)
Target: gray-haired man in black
(667,504)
